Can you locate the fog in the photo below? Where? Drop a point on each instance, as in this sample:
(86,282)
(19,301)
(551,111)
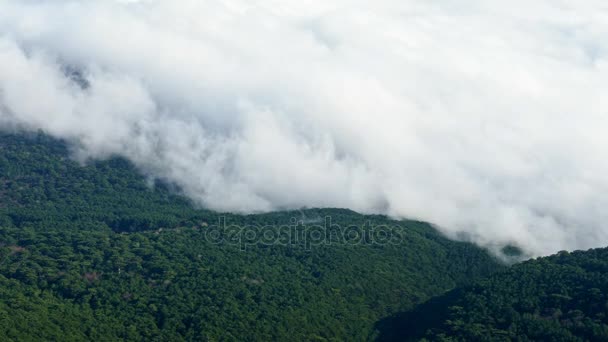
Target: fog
(488,120)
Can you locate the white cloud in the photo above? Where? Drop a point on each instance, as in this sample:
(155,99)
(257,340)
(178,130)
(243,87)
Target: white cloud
(481,117)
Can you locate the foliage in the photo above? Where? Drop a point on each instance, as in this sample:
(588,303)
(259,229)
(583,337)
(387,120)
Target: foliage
(563,297)
(98,252)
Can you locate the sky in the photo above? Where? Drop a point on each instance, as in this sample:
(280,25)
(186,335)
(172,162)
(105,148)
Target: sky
(486,119)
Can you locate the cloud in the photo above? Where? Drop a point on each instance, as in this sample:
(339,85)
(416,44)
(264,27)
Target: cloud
(486,119)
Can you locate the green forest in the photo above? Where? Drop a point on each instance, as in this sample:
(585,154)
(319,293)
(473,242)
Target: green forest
(98,251)
(563,297)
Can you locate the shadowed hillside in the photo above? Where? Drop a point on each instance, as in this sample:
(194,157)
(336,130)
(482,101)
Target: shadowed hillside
(563,297)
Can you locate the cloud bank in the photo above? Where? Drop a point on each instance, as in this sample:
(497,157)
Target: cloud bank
(486,119)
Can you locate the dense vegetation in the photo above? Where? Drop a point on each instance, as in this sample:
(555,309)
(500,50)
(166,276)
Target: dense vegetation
(96,252)
(558,298)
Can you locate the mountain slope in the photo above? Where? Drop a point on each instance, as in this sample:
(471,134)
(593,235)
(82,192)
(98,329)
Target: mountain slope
(563,297)
(96,252)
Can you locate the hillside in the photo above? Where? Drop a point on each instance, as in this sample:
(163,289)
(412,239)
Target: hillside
(97,252)
(563,297)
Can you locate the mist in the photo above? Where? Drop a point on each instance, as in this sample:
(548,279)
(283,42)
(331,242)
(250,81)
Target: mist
(488,120)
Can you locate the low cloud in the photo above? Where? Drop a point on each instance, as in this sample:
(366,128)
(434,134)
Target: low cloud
(485,119)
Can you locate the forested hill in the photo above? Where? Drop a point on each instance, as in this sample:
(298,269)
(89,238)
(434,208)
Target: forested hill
(94,252)
(563,297)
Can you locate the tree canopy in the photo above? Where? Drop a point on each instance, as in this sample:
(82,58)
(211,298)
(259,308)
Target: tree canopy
(563,297)
(99,252)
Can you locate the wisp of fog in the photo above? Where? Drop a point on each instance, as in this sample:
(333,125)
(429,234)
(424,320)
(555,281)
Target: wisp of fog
(485,118)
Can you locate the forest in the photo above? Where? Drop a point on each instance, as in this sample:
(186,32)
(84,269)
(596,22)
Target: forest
(563,297)
(98,251)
